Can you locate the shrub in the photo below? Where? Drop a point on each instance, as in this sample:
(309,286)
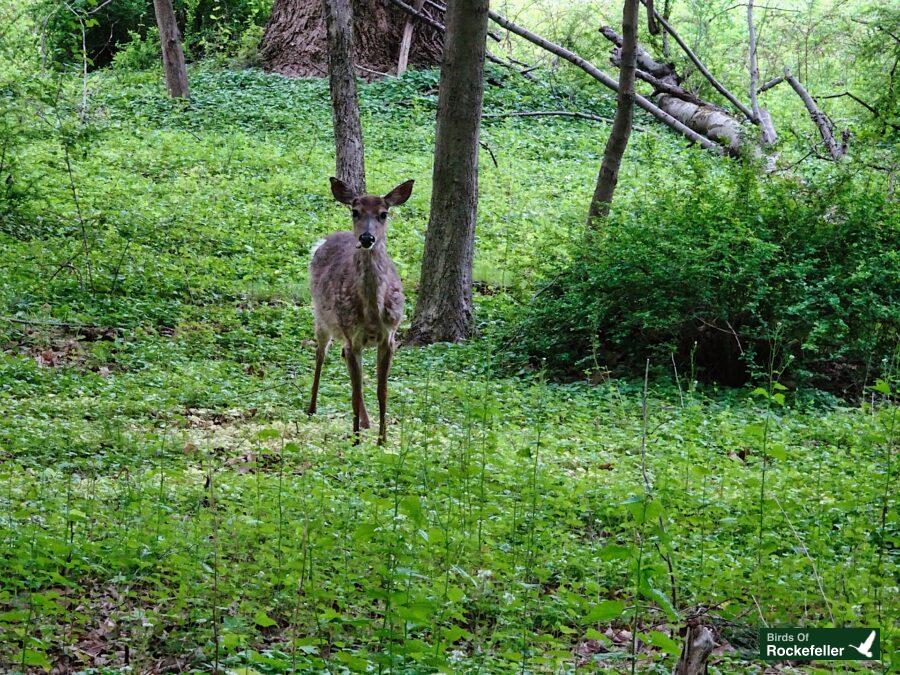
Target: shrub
(726,275)
(140,52)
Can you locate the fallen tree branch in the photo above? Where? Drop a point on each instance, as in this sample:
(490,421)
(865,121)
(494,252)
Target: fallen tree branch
(437,25)
(548,113)
(771,83)
(702,68)
(826,128)
(604,79)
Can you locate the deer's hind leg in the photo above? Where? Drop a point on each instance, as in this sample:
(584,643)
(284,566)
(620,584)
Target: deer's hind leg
(323,340)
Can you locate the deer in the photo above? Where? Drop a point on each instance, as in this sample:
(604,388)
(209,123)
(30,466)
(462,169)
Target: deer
(357,296)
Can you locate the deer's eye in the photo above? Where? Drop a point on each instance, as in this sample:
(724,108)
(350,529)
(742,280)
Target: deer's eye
(382,215)
(355,213)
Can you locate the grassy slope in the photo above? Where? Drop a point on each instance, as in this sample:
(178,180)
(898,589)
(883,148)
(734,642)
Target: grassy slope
(165,481)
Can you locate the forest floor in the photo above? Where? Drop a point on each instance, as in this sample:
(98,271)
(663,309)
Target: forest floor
(165,502)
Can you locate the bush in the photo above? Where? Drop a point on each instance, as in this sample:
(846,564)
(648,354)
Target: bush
(140,53)
(736,271)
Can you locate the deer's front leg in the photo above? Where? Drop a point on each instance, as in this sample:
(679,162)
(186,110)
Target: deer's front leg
(385,355)
(353,357)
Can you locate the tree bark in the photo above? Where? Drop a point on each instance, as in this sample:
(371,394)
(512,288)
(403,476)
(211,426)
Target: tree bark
(621,126)
(826,128)
(172,53)
(444,308)
(348,138)
(295,39)
(698,645)
(406,40)
(769,137)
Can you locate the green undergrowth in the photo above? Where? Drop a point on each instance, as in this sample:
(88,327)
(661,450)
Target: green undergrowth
(165,503)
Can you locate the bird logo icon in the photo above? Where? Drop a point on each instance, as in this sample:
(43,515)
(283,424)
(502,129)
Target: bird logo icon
(866,647)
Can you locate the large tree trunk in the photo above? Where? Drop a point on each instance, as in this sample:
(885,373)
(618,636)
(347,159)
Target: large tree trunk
(348,138)
(621,126)
(444,308)
(294,42)
(172,53)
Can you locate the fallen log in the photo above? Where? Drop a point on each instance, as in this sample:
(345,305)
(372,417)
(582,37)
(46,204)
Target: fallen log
(605,80)
(685,106)
(718,86)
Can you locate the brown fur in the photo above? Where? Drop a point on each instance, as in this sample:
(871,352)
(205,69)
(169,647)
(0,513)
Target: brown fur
(357,296)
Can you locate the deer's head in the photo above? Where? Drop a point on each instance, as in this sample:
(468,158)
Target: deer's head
(370,212)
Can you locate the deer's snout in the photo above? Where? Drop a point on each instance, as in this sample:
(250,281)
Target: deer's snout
(367,240)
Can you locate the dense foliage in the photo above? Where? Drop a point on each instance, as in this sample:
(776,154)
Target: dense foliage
(208,27)
(733,271)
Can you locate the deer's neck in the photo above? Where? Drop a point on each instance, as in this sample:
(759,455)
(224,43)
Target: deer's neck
(371,275)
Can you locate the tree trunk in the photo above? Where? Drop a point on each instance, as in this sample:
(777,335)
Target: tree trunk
(769,137)
(698,645)
(444,308)
(172,53)
(621,126)
(348,139)
(295,44)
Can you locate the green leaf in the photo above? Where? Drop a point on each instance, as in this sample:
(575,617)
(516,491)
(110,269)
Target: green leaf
(39,659)
(455,633)
(263,619)
(604,611)
(883,387)
(612,551)
(778,386)
(267,434)
(661,641)
(778,451)
(14,616)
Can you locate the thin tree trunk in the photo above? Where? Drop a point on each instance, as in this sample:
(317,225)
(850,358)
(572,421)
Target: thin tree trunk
(348,138)
(406,39)
(621,126)
(172,53)
(769,137)
(826,129)
(444,308)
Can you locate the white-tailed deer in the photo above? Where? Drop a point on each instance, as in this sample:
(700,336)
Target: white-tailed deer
(357,295)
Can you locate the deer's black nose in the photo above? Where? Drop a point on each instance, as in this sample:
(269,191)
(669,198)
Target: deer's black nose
(366,240)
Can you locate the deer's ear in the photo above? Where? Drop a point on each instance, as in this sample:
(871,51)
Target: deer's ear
(399,194)
(341,192)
